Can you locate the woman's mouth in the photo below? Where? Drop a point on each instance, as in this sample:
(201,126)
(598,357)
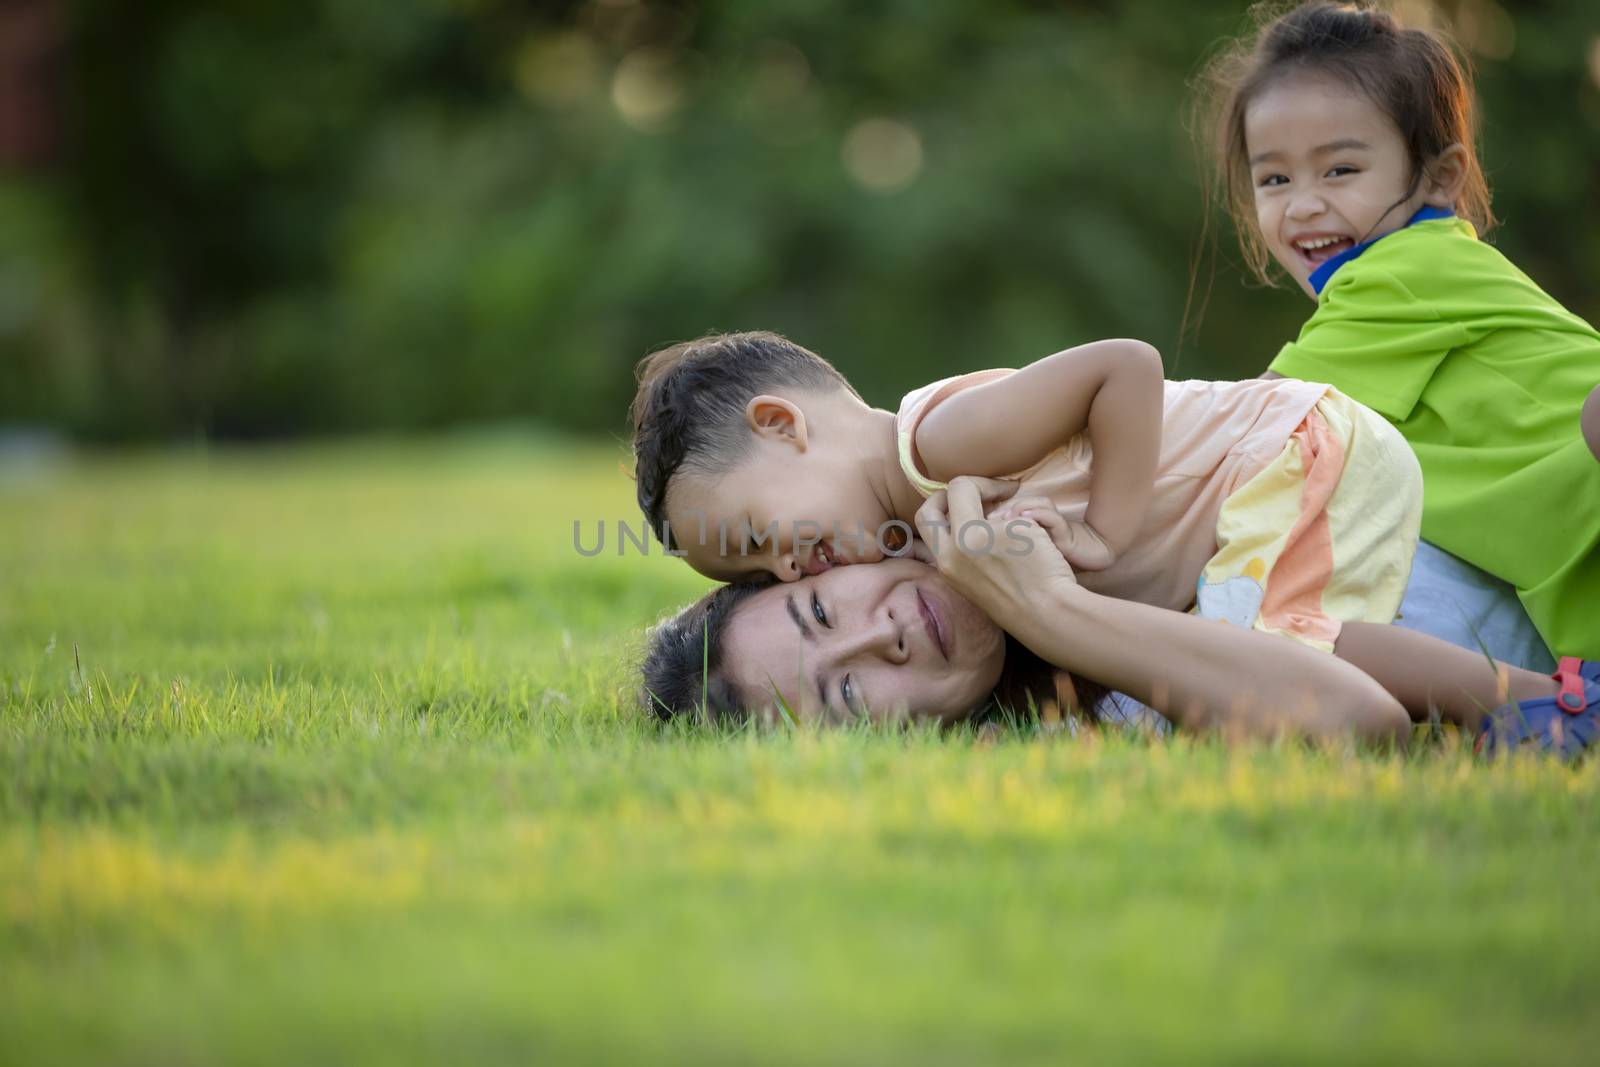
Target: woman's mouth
(935,624)
(1317,248)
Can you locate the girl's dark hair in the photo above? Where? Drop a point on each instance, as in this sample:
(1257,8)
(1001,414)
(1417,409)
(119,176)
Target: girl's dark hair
(689,410)
(1412,75)
(685,673)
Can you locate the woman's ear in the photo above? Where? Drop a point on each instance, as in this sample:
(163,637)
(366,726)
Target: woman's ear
(777,419)
(1446,177)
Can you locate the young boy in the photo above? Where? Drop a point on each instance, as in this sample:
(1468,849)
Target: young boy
(753,454)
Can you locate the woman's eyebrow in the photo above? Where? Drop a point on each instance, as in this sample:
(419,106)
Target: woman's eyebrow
(805,631)
(794,613)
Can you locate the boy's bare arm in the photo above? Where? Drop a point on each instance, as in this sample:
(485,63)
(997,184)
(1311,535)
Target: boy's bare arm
(1112,389)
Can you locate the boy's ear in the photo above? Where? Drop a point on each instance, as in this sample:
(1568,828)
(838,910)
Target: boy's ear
(1446,178)
(778,419)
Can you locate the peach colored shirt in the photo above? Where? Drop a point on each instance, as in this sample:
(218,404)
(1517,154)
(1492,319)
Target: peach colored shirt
(1215,437)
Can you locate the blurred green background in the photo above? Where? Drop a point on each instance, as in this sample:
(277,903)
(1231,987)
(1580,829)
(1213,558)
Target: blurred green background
(244,218)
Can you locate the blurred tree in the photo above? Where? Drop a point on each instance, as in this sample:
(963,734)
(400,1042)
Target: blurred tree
(273,219)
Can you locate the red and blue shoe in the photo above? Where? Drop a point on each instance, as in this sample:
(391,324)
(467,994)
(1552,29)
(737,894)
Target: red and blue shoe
(1565,724)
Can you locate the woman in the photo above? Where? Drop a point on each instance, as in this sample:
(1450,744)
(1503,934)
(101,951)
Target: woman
(902,639)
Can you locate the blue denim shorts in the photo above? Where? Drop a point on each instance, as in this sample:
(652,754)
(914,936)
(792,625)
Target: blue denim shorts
(1455,601)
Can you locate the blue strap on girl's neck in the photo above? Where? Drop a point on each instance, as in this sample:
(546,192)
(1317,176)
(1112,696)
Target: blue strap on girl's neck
(1320,276)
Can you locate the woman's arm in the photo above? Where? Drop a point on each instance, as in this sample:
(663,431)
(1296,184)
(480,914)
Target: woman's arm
(1201,673)
(1112,389)
(1204,674)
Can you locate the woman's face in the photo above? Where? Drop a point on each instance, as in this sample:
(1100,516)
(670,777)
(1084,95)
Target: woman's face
(884,641)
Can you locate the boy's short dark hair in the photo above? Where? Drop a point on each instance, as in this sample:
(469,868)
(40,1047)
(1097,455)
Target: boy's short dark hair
(689,410)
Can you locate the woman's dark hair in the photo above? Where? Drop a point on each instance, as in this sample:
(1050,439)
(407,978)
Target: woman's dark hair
(1411,75)
(683,663)
(1028,686)
(688,413)
(685,673)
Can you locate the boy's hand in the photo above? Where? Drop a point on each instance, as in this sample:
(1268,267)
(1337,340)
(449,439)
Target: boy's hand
(1013,579)
(1078,542)
(990,491)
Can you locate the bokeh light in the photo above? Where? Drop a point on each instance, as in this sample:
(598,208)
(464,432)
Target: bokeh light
(647,88)
(1420,14)
(883,155)
(1486,28)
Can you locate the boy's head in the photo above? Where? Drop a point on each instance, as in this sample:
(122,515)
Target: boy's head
(742,456)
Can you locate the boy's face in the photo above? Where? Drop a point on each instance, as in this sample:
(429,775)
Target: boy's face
(783,510)
(1329,169)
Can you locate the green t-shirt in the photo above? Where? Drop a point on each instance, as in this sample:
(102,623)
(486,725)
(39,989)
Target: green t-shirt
(1485,374)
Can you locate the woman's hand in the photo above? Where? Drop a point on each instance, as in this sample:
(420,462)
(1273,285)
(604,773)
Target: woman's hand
(1007,568)
(1079,543)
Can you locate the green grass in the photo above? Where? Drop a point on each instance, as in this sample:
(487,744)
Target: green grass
(341,773)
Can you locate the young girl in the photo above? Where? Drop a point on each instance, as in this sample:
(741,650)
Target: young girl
(1345,145)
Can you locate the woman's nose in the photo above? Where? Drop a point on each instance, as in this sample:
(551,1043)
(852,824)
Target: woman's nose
(883,636)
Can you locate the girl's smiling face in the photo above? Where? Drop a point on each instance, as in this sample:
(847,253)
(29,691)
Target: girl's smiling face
(1330,170)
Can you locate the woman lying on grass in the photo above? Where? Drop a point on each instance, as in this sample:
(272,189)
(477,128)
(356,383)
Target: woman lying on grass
(903,640)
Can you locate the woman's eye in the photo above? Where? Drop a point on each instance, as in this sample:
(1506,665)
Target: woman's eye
(847,690)
(820,615)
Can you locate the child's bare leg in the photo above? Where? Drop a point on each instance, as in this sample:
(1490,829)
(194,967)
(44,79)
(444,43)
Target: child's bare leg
(1590,422)
(1424,673)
